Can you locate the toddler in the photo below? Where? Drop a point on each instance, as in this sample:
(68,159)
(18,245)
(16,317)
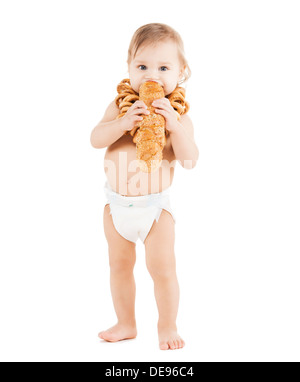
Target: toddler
(138,203)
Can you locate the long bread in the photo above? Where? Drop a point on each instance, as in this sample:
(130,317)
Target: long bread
(150,138)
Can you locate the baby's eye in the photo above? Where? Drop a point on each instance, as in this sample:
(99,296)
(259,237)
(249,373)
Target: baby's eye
(163,68)
(142,67)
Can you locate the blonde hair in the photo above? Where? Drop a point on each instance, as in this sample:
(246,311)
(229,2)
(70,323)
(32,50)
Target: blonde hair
(152,33)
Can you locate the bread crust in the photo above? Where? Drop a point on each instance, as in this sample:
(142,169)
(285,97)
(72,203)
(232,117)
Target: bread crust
(150,138)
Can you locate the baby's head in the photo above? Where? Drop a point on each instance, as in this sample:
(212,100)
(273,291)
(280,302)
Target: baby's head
(156,53)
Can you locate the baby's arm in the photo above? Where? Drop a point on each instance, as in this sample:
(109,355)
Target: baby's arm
(183,143)
(181,133)
(110,129)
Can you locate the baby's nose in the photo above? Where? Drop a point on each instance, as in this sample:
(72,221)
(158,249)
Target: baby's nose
(152,75)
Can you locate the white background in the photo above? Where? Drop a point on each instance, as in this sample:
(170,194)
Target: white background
(237,231)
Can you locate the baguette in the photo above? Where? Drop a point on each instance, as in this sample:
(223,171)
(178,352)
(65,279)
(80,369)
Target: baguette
(150,138)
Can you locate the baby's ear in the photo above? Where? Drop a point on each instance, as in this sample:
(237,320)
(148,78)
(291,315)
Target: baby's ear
(181,75)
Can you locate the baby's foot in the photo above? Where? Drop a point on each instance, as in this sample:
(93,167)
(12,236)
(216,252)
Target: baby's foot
(169,339)
(118,332)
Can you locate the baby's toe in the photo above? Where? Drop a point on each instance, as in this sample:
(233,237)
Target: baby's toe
(181,343)
(163,346)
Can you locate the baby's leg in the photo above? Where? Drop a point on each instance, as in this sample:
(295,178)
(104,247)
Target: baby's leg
(121,260)
(160,260)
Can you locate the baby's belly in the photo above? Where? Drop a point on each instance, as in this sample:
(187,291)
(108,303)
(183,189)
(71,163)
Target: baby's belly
(124,176)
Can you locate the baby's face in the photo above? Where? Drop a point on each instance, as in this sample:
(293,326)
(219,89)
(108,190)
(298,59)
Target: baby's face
(160,63)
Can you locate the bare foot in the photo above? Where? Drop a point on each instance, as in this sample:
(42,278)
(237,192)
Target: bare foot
(169,339)
(118,333)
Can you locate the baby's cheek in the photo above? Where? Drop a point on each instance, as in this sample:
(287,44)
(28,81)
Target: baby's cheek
(134,84)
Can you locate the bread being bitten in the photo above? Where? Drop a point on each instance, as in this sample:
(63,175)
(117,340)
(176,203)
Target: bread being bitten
(150,138)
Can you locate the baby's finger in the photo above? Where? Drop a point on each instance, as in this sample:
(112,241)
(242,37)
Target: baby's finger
(140,111)
(140,104)
(164,113)
(168,108)
(161,101)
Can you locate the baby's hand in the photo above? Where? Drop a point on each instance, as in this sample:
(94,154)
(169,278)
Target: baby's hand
(164,107)
(133,115)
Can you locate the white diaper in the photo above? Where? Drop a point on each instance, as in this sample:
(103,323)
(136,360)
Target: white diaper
(133,216)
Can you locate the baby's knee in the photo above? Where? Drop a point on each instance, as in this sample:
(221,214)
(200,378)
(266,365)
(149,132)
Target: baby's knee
(121,265)
(161,271)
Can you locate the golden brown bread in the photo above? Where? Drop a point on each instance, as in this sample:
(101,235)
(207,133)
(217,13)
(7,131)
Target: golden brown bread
(151,151)
(150,138)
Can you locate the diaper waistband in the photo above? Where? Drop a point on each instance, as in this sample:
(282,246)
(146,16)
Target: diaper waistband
(156,199)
